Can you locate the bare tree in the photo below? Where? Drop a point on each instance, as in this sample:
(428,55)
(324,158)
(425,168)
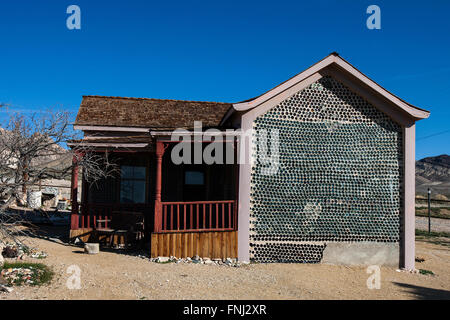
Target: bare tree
(31,150)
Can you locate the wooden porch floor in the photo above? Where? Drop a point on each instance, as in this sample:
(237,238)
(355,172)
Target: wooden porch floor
(215,245)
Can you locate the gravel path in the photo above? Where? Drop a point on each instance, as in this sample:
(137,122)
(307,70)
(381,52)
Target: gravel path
(437,225)
(110,275)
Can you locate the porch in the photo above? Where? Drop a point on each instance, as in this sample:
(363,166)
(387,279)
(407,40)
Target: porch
(183,205)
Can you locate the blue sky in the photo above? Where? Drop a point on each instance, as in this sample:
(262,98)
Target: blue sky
(221,51)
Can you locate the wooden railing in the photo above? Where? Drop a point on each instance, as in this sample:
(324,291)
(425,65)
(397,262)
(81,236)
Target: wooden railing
(198,216)
(191,216)
(92,212)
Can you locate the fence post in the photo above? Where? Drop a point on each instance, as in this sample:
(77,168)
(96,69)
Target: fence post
(429,210)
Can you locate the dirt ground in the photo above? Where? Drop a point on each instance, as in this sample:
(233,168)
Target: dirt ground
(111,275)
(437,225)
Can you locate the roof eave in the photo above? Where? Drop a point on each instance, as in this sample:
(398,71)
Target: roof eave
(334,59)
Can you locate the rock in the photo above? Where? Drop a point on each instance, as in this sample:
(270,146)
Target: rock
(162,259)
(91,248)
(9,252)
(5,288)
(208,261)
(78,241)
(2,280)
(34,199)
(196,259)
(2,261)
(408,270)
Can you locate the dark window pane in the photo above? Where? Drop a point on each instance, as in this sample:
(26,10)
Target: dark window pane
(139,172)
(139,192)
(126,191)
(126,172)
(132,184)
(194,178)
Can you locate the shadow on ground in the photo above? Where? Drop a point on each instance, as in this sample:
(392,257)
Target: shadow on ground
(425,293)
(60,234)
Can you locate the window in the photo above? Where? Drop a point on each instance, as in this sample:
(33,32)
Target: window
(194,178)
(132,184)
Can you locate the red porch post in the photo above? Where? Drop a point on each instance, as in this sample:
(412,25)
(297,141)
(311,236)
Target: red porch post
(160,148)
(74,194)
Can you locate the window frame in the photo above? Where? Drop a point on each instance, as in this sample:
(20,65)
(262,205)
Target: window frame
(132,180)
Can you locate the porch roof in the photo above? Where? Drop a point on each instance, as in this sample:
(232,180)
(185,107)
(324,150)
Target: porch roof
(113,142)
(156,114)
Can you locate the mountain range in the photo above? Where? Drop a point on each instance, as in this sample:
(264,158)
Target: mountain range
(433,173)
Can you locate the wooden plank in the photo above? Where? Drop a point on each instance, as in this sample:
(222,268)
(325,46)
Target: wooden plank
(228,245)
(197,244)
(166,245)
(192,239)
(180,244)
(189,244)
(169,244)
(203,245)
(160,244)
(194,243)
(219,239)
(154,245)
(224,245)
(217,244)
(174,245)
(208,244)
(214,245)
(184,246)
(167,237)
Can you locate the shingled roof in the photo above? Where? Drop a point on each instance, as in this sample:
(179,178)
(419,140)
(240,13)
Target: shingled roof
(157,114)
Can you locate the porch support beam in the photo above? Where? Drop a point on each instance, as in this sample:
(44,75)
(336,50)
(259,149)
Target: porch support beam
(408,237)
(160,148)
(74,194)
